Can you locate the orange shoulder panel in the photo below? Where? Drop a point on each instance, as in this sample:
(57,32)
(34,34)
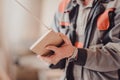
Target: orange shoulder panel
(62,5)
(64,23)
(103,22)
(79,44)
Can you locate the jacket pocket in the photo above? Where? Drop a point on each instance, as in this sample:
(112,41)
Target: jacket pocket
(103,22)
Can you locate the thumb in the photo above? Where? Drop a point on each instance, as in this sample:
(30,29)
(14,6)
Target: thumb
(53,48)
(65,38)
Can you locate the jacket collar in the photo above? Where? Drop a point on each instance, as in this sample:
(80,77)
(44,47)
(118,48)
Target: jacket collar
(79,2)
(112,4)
(74,3)
(71,5)
(106,1)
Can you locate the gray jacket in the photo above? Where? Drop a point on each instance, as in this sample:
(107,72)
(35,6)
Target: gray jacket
(99,59)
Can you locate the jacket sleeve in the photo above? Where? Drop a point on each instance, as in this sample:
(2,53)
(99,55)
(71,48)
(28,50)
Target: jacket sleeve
(55,24)
(105,58)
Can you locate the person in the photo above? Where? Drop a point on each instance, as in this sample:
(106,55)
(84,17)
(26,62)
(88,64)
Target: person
(91,33)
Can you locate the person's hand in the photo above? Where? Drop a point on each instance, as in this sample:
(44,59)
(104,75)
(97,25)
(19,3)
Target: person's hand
(65,51)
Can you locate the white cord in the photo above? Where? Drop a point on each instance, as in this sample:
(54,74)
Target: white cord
(35,17)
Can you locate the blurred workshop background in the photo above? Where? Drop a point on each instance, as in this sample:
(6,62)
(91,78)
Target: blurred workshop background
(18,31)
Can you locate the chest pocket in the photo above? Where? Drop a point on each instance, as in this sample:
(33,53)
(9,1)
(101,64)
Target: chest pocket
(103,22)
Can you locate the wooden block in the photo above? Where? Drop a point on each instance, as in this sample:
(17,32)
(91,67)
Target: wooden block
(50,38)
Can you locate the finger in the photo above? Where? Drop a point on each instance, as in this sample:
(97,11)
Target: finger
(38,56)
(46,59)
(53,48)
(54,59)
(50,59)
(65,38)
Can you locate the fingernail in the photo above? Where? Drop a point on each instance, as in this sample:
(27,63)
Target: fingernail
(59,34)
(47,47)
(38,56)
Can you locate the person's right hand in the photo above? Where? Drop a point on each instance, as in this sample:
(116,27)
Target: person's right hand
(65,51)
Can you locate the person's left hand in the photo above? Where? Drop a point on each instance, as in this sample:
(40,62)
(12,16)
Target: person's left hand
(65,51)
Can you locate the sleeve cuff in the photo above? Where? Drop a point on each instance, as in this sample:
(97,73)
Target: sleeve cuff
(81,57)
(73,57)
